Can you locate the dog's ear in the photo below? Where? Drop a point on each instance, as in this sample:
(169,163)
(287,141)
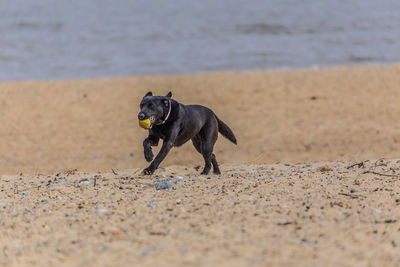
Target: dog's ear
(149,94)
(169,95)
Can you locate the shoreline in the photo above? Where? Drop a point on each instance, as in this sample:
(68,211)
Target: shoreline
(202,73)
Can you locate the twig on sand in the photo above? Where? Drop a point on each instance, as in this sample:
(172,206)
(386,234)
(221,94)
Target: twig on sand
(285,223)
(114,171)
(387,221)
(380,162)
(352,196)
(359,165)
(382,174)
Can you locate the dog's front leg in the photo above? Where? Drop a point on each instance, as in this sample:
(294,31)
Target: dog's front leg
(147,143)
(166,147)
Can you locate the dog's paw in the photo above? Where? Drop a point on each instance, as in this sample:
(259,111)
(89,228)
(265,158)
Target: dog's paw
(217,172)
(148,155)
(205,171)
(148,171)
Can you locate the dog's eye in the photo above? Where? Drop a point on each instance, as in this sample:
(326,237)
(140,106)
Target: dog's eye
(150,105)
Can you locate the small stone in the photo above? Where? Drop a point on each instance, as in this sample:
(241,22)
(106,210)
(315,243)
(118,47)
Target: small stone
(102,210)
(131,154)
(352,191)
(254,260)
(23,193)
(164,185)
(193,178)
(46,201)
(145,253)
(151,205)
(253,201)
(183,249)
(178,201)
(84,181)
(178,179)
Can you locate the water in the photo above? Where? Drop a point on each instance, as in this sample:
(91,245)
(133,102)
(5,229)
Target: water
(50,39)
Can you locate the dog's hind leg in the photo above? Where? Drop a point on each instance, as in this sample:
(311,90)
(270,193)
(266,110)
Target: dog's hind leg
(215,164)
(198,144)
(208,136)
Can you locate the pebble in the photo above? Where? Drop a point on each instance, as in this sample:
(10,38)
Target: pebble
(178,178)
(102,210)
(164,185)
(302,170)
(131,154)
(254,260)
(253,201)
(151,205)
(23,193)
(193,178)
(85,181)
(145,253)
(60,181)
(46,201)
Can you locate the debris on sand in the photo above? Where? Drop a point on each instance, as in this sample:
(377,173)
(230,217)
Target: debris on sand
(164,185)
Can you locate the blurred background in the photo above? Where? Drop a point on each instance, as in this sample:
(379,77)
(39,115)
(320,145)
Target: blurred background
(48,39)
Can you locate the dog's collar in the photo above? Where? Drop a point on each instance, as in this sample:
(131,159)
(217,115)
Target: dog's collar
(169,113)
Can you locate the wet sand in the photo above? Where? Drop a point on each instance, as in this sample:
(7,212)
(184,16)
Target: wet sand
(288,194)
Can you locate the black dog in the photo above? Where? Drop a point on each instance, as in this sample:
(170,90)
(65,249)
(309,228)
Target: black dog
(176,124)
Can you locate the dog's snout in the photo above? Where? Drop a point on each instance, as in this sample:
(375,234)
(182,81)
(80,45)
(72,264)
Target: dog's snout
(141,116)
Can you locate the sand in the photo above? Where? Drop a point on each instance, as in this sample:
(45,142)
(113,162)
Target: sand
(287,195)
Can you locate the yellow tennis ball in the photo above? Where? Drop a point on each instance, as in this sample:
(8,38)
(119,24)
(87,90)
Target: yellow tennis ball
(145,123)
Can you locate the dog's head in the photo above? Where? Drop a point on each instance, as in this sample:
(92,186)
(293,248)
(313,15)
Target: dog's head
(154,108)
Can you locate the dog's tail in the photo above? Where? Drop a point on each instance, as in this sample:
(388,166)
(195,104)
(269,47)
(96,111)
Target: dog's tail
(226,131)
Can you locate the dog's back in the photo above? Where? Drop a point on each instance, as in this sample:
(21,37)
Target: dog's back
(203,114)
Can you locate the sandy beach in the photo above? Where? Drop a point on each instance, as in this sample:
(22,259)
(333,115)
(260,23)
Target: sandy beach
(313,180)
